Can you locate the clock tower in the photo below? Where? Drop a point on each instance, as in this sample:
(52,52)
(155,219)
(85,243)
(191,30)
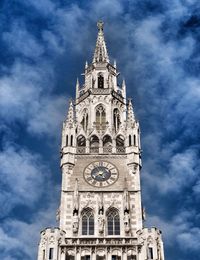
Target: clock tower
(100,214)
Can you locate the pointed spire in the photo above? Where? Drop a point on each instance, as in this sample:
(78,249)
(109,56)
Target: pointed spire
(115,64)
(124,88)
(70,115)
(100,53)
(77,88)
(130,113)
(86,65)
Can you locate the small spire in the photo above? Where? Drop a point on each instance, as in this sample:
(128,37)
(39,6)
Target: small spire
(86,65)
(115,64)
(124,88)
(70,115)
(100,53)
(77,88)
(130,113)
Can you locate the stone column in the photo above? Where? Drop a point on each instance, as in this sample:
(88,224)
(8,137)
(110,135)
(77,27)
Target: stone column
(114,145)
(108,257)
(100,146)
(124,254)
(63,253)
(78,254)
(87,145)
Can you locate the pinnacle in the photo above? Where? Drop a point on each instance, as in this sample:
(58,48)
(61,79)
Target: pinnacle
(130,113)
(100,53)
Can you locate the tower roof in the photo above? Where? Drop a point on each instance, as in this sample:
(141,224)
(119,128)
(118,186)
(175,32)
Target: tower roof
(100,53)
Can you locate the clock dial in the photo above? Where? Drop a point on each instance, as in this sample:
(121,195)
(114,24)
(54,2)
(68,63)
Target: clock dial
(100,174)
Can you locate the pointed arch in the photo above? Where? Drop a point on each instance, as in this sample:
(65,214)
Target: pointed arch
(134,140)
(87,221)
(71,140)
(100,117)
(120,141)
(107,141)
(113,221)
(81,141)
(130,141)
(94,144)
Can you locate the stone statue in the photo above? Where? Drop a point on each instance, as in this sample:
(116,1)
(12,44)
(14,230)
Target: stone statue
(101,221)
(75,222)
(126,221)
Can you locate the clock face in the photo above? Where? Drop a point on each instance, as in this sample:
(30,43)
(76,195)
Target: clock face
(100,174)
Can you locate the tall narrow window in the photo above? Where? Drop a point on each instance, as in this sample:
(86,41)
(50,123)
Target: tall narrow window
(100,117)
(43,254)
(87,222)
(150,253)
(71,140)
(130,140)
(134,140)
(113,222)
(67,140)
(100,81)
(50,253)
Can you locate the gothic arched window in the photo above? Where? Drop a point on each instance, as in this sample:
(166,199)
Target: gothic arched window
(100,117)
(87,222)
(113,222)
(67,140)
(130,143)
(71,140)
(100,81)
(81,141)
(120,141)
(107,141)
(116,119)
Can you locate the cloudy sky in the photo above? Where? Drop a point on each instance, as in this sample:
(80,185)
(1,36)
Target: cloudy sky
(44,45)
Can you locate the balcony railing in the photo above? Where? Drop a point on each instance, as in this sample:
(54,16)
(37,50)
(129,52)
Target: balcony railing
(102,91)
(107,149)
(94,149)
(81,149)
(120,149)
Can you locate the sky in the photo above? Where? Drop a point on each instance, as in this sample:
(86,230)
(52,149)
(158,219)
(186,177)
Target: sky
(43,48)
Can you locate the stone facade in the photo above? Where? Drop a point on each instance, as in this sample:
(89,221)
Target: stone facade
(100,214)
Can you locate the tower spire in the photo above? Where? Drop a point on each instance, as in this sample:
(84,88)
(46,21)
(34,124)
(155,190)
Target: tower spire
(70,115)
(77,88)
(100,53)
(130,113)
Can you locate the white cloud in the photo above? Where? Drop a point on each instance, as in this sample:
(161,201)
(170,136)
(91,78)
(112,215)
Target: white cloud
(22,178)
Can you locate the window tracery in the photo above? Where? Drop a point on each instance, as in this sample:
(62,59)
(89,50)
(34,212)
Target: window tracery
(100,117)
(87,222)
(113,222)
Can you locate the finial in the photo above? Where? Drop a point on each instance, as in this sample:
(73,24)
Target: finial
(86,65)
(100,25)
(115,64)
(77,88)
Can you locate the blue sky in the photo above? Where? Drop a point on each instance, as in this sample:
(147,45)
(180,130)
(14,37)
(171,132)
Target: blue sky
(44,45)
